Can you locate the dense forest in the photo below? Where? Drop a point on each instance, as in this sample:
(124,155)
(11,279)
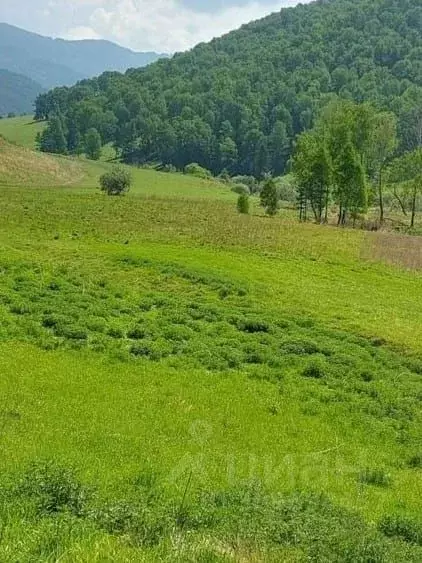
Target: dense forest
(239,102)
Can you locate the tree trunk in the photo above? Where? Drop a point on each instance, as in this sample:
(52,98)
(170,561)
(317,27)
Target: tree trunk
(327,195)
(398,198)
(381,197)
(340,214)
(412,220)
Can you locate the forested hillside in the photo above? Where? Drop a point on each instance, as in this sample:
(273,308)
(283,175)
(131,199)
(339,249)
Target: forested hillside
(17,93)
(238,102)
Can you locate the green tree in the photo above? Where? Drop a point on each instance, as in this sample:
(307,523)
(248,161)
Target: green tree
(93,144)
(350,181)
(116,182)
(53,138)
(243,204)
(383,143)
(406,172)
(312,167)
(269,197)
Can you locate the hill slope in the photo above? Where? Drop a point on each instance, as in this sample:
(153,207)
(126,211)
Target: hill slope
(20,166)
(160,349)
(56,62)
(17,93)
(239,101)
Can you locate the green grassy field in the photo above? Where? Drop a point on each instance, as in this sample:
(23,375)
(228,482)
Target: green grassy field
(196,385)
(21,130)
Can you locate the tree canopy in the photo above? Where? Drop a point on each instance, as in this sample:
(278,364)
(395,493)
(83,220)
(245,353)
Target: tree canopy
(238,103)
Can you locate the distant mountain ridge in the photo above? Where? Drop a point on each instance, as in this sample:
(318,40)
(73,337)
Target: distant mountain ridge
(57,62)
(17,93)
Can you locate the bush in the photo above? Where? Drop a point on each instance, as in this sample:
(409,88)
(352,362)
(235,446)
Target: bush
(243,204)
(198,171)
(169,168)
(240,189)
(248,181)
(376,477)
(415,462)
(253,325)
(286,188)
(116,182)
(315,369)
(400,527)
(54,489)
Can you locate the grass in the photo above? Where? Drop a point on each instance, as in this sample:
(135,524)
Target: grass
(183,383)
(21,130)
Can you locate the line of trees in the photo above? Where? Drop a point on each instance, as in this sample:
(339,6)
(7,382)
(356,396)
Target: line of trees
(350,157)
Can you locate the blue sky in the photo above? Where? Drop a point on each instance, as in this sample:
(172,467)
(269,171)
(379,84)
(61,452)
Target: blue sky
(159,25)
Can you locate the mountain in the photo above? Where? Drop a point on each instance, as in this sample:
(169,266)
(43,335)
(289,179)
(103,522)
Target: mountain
(17,93)
(57,62)
(238,102)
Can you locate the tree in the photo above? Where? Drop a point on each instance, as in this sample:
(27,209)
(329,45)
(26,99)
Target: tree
(406,172)
(312,167)
(74,143)
(53,138)
(269,197)
(93,144)
(116,182)
(243,204)
(240,102)
(383,143)
(350,181)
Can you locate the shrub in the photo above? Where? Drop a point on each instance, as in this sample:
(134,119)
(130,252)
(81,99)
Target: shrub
(136,333)
(73,333)
(300,347)
(198,171)
(286,188)
(253,325)
(116,182)
(54,489)
(115,332)
(243,204)
(249,181)
(377,477)
(415,462)
(169,168)
(316,369)
(401,527)
(240,189)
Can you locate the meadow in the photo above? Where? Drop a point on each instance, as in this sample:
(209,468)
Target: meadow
(184,383)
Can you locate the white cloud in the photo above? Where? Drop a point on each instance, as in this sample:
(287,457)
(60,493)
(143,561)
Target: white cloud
(166,25)
(81,32)
(160,25)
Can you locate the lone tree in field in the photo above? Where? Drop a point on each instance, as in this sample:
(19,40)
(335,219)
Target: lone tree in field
(243,204)
(116,182)
(269,197)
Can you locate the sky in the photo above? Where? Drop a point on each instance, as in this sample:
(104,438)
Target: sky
(165,26)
